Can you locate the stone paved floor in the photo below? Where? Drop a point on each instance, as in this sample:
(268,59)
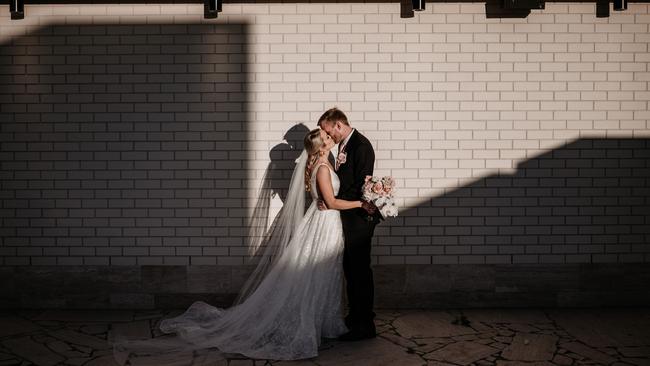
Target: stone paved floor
(502,337)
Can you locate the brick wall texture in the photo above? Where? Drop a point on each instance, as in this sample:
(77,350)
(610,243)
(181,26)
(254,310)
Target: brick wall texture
(147,135)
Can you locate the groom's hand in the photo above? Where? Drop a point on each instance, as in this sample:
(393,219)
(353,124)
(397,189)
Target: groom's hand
(369,207)
(321,205)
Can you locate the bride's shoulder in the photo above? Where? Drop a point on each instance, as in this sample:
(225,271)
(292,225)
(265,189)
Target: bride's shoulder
(325,163)
(322,164)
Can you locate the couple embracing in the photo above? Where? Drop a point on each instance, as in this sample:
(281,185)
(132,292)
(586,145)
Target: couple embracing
(293,299)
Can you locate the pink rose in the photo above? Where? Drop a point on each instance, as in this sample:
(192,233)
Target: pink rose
(368,177)
(388,189)
(341,158)
(378,187)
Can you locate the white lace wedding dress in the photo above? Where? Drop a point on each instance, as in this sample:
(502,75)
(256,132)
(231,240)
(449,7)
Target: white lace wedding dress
(297,303)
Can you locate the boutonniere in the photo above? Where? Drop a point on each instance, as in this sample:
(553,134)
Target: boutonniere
(341,158)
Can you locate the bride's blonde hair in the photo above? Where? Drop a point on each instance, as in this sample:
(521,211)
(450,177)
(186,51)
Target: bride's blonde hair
(313,142)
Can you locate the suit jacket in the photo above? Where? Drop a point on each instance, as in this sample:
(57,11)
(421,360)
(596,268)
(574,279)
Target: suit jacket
(360,161)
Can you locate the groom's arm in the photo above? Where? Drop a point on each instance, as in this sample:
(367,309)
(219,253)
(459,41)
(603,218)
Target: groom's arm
(364,160)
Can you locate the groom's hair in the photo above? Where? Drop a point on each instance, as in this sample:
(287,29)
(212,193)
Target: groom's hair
(333,115)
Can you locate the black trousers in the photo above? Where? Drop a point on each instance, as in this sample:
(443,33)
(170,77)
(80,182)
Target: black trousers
(358,232)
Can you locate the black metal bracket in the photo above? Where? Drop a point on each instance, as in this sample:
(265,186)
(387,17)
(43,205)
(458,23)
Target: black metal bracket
(602,8)
(17,9)
(620,5)
(211,8)
(493,8)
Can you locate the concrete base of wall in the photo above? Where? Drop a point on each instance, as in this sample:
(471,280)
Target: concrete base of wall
(397,286)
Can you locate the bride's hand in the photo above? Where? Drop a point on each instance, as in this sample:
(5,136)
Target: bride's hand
(321,205)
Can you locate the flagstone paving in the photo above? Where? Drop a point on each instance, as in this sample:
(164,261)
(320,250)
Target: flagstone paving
(476,337)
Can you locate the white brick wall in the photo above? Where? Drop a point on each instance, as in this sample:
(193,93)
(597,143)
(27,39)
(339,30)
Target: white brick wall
(449,98)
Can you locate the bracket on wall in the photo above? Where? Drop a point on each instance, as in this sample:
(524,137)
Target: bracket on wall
(211,8)
(499,9)
(17,9)
(602,8)
(493,8)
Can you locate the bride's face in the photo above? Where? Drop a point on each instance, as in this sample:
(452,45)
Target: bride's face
(328,142)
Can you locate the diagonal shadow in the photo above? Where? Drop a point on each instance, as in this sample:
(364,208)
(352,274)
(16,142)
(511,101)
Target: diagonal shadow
(587,192)
(587,202)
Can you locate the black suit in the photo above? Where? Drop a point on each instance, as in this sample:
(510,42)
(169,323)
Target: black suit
(358,228)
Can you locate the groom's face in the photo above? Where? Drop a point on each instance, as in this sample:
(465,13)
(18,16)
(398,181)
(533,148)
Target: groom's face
(334,130)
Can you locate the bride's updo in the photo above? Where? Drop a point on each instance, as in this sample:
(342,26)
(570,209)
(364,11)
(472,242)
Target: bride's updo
(313,142)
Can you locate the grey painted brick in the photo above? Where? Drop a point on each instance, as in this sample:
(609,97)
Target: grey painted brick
(458,249)
(108,251)
(404,250)
(551,258)
(203,260)
(126,261)
(140,232)
(25,252)
(437,250)
(17,261)
(417,240)
(212,232)
(528,240)
(230,260)
(182,261)
(564,248)
(517,259)
(138,251)
(538,249)
(162,251)
(96,261)
(485,231)
(538,230)
(81,251)
(390,260)
(226,241)
(630,258)
(511,249)
(484,249)
(394,240)
(42,261)
(498,259)
(444,259)
(613,258)
(175,241)
(578,258)
(150,241)
(215,251)
(189,231)
(188,251)
(437,221)
(471,259)
(69,261)
(150,261)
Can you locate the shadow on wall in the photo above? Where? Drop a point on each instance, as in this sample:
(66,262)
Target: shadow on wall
(129,144)
(123,143)
(275,182)
(587,201)
(571,227)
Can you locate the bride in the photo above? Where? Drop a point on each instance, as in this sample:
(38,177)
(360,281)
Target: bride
(292,299)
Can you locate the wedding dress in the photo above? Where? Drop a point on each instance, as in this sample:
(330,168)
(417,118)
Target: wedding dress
(297,302)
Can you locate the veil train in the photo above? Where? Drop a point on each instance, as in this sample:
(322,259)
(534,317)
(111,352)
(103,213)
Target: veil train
(192,335)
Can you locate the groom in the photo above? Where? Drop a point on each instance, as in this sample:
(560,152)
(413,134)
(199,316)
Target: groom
(354,162)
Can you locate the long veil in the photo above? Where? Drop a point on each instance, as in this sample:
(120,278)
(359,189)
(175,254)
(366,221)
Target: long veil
(193,330)
(281,231)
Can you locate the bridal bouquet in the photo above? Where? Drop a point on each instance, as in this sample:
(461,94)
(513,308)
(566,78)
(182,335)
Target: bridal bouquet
(379,191)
